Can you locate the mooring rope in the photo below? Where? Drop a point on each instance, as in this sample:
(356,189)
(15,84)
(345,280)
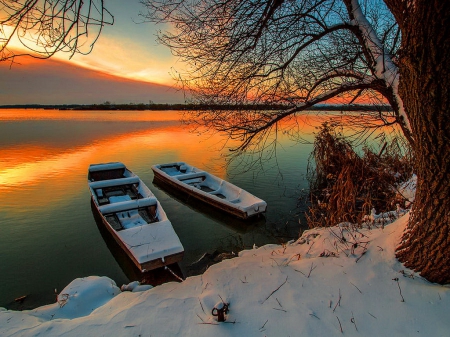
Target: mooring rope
(167,268)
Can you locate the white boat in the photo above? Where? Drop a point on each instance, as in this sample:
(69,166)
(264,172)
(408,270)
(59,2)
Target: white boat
(210,189)
(134,217)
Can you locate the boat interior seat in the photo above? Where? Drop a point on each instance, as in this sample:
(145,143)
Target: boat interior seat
(115,182)
(218,190)
(127,205)
(188,176)
(237,199)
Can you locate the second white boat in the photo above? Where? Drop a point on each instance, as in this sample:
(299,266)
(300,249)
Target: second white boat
(210,189)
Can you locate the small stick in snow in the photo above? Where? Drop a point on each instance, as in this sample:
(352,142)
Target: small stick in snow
(361,256)
(279,309)
(201,306)
(298,256)
(275,261)
(340,325)
(356,287)
(223,300)
(245,278)
(353,321)
(279,302)
(339,300)
(372,315)
(311,269)
(273,292)
(300,272)
(200,317)
(263,325)
(398,283)
(314,315)
(310,247)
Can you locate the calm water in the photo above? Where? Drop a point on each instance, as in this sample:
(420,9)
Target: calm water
(49,235)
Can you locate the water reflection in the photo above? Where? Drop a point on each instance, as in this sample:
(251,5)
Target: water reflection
(48,230)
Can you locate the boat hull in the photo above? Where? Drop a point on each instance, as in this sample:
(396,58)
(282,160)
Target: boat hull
(149,265)
(133,216)
(212,200)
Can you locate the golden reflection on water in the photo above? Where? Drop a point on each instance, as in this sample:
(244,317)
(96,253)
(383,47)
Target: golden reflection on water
(29,168)
(88,115)
(38,173)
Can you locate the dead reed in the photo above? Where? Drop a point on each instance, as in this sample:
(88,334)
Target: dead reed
(345,186)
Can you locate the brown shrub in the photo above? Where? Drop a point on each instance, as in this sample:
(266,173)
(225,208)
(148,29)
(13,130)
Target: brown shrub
(346,186)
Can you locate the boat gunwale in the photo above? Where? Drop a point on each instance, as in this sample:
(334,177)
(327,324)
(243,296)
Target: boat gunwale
(209,198)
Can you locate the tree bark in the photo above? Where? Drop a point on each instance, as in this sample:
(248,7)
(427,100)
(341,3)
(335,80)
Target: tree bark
(424,88)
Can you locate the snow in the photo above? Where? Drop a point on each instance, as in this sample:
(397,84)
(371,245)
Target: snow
(384,67)
(315,286)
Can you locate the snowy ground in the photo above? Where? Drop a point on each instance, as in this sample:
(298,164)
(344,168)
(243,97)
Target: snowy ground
(320,285)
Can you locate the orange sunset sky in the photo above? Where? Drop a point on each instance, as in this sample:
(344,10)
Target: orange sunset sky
(126,66)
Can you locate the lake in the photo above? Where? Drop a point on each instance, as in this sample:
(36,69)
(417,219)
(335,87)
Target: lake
(49,234)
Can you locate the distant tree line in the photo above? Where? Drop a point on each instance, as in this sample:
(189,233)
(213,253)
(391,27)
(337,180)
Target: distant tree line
(166,106)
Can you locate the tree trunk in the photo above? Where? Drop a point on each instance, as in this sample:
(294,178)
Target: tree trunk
(424,88)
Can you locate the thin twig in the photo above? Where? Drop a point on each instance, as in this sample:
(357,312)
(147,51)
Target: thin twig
(279,309)
(200,318)
(221,299)
(339,300)
(275,261)
(340,325)
(310,247)
(279,302)
(372,315)
(311,269)
(273,292)
(201,306)
(263,325)
(314,315)
(356,287)
(360,256)
(398,283)
(300,272)
(353,321)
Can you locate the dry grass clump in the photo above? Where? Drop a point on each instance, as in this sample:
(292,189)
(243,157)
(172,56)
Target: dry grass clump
(345,186)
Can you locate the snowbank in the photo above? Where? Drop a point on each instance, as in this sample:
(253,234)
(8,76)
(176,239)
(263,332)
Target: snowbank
(332,281)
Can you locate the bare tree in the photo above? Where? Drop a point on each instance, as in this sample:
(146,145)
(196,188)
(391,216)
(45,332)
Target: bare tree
(43,27)
(297,53)
(301,53)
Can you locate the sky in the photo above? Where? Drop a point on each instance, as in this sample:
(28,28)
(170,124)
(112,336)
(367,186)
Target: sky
(126,66)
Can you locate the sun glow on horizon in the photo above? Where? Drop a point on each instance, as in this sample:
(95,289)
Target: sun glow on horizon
(111,56)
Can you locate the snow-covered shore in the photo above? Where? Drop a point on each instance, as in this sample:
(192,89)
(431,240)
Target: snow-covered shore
(320,285)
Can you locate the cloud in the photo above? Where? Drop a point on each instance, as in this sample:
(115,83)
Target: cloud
(55,82)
